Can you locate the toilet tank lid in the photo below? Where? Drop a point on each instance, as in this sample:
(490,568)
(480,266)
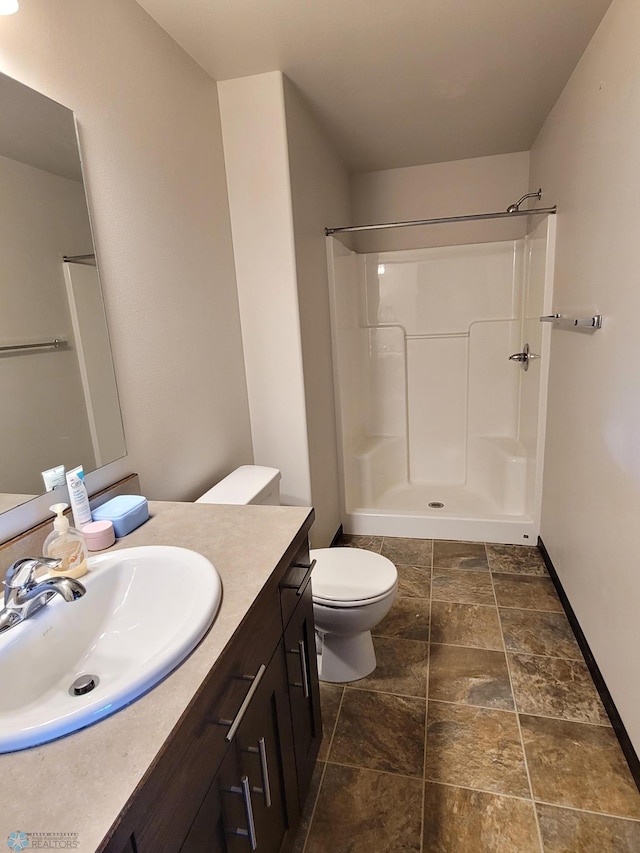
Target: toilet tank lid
(242,486)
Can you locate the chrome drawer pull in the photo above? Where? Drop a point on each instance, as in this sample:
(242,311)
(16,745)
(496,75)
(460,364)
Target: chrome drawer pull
(242,710)
(304,580)
(250,831)
(302,651)
(303,666)
(261,750)
(300,588)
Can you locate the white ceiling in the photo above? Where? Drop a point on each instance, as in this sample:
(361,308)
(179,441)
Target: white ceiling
(399,82)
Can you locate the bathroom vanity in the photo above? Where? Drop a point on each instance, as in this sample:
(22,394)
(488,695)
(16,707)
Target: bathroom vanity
(219,756)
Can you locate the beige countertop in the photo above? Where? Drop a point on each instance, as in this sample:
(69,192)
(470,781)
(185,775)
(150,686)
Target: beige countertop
(80,783)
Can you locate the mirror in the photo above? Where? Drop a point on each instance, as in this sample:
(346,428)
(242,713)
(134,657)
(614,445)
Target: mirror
(57,380)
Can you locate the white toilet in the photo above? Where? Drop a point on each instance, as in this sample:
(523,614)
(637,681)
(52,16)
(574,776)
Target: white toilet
(353,589)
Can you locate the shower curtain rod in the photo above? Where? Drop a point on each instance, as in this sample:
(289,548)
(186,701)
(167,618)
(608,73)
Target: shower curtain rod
(540,211)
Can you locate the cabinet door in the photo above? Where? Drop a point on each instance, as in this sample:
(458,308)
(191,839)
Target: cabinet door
(223,823)
(265,743)
(252,803)
(129,846)
(304,689)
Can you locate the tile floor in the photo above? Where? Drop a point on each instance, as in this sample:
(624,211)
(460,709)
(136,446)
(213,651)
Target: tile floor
(480,731)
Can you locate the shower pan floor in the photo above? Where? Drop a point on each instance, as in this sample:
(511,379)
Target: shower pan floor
(458,499)
(467,515)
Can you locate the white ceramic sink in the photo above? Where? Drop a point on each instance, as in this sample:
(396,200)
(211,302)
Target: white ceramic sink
(144,611)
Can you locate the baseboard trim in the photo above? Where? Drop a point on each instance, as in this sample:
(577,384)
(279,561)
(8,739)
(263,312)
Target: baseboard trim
(336,539)
(609,705)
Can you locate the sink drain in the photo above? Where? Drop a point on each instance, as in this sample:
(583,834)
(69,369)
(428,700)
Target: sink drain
(84,684)
(436,505)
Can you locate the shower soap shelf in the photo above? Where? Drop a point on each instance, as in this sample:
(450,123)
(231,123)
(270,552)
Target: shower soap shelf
(594,322)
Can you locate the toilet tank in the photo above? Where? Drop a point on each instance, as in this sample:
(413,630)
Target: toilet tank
(248,484)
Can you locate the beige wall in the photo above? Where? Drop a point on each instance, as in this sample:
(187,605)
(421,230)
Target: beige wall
(320,196)
(255,150)
(152,150)
(586,157)
(284,185)
(457,188)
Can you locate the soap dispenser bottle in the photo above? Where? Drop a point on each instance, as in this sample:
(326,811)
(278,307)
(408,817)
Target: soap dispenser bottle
(67,544)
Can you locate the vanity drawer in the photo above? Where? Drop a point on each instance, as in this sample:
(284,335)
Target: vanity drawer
(294,582)
(165,806)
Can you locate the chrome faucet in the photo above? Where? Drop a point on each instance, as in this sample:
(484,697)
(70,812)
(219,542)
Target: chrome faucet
(24,595)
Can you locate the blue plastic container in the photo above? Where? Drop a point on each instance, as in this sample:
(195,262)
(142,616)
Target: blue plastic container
(126,512)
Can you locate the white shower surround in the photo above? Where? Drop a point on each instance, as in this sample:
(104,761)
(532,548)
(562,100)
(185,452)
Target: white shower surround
(429,408)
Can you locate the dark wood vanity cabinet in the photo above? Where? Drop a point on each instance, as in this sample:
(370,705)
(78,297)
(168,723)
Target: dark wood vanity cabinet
(304,691)
(253,800)
(223,789)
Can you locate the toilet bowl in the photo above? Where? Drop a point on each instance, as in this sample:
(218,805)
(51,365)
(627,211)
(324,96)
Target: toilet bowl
(352,589)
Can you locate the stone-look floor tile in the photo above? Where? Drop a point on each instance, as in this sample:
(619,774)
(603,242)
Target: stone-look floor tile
(457,820)
(414,581)
(526,592)
(462,587)
(408,618)
(408,552)
(369,543)
(459,555)
(465,625)
(470,676)
(555,687)
(330,699)
(475,748)
(578,765)
(566,831)
(538,633)
(401,668)
(309,806)
(363,811)
(380,732)
(516,560)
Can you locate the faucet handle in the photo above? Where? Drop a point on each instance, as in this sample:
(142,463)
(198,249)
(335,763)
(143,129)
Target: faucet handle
(21,574)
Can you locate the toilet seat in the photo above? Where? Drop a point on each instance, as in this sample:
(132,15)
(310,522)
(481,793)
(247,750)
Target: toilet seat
(351,577)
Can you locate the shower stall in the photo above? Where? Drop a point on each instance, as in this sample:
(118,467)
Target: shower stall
(440,405)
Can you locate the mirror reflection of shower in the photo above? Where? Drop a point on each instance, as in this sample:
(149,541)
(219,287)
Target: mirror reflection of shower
(91,343)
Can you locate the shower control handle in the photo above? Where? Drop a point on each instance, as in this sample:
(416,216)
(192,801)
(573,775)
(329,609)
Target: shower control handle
(523,357)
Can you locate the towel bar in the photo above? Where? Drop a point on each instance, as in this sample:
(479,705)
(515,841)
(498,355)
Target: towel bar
(594,322)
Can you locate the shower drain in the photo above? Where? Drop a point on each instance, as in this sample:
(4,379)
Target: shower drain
(436,504)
